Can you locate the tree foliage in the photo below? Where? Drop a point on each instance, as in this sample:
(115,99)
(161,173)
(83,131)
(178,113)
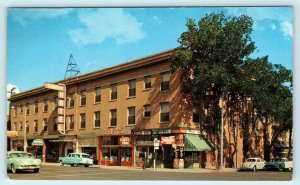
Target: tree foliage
(214,60)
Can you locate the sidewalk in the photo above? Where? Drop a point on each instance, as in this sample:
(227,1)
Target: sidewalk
(186,170)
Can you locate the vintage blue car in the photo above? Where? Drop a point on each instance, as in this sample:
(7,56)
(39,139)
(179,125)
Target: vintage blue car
(19,160)
(75,159)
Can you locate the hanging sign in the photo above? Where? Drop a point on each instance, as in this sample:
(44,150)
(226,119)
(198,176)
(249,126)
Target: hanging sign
(167,140)
(125,140)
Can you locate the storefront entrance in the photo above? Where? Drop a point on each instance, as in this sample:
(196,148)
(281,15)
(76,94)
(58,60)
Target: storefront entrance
(52,151)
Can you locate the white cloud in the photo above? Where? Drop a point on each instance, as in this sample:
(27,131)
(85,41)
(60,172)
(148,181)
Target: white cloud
(103,24)
(287,29)
(156,19)
(273,27)
(261,14)
(11,88)
(22,15)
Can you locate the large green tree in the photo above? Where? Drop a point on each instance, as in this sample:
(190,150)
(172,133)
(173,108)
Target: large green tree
(214,62)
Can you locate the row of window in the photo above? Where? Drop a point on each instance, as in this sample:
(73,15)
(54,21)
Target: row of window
(164,117)
(164,86)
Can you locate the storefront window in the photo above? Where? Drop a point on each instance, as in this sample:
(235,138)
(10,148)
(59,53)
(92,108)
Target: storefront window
(126,154)
(110,154)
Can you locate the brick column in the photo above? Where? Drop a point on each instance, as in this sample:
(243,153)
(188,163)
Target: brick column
(132,150)
(100,138)
(44,151)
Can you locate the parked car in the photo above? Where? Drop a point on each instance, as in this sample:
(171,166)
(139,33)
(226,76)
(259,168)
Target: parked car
(75,159)
(279,164)
(19,160)
(253,164)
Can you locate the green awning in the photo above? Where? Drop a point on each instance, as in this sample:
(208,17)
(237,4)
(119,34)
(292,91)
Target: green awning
(197,143)
(37,142)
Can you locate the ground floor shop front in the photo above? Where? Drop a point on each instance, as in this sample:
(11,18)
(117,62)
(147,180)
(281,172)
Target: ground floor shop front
(173,148)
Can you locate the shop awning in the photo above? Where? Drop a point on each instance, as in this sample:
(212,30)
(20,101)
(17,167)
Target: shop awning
(197,143)
(37,142)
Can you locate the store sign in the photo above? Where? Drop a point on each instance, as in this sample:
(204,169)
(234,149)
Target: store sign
(113,131)
(144,142)
(61,101)
(54,87)
(37,142)
(168,140)
(60,119)
(125,140)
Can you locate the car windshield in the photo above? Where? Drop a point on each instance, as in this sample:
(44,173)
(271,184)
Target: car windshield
(20,155)
(85,156)
(251,160)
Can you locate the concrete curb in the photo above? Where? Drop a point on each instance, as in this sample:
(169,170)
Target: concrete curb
(197,170)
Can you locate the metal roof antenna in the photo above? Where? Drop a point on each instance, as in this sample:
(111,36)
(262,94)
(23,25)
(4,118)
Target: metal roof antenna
(72,68)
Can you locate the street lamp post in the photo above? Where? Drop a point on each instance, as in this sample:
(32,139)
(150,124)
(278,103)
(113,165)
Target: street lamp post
(25,139)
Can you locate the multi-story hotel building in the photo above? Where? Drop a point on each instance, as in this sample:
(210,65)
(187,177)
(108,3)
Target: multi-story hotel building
(111,114)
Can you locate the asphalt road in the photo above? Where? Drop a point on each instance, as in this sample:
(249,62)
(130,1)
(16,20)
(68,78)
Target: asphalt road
(96,173)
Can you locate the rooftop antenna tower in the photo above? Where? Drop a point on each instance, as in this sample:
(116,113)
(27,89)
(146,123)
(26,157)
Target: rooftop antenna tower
(72,68)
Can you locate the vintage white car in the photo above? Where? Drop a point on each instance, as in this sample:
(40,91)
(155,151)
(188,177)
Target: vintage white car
(75,159)
(253,164)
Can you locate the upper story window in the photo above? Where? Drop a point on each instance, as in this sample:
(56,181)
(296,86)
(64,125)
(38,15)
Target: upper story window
(27,126)
(196,114)
(132,88)
(27,108)
(164,112)
(55,121)
(15,111)
(55,103)
(165,81)
(35,125)
(83,98)
(82,121)
(113,117)
(114,93)
(71,100)
(21,126)
(71,122)
(45,105)
(147,80)
(97,119)
(15,126)
(45,123)
(131,115)
(21,108)
(147,111)
(36,106)
(97,95)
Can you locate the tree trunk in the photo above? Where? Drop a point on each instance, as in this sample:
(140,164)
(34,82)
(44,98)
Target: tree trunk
(267,146)
(290,143)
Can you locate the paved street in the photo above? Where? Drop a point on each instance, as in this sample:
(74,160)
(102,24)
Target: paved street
(49,172)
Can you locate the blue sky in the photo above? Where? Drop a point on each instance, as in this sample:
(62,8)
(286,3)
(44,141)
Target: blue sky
(40,41)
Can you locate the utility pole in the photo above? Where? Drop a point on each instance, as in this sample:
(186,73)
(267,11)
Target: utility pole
(25,127)
(222,132)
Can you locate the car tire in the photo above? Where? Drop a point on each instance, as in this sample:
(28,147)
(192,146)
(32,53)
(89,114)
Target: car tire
(72,165)
(254,168)
(36,170)
(13,169)
(86,165)
(60,163)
